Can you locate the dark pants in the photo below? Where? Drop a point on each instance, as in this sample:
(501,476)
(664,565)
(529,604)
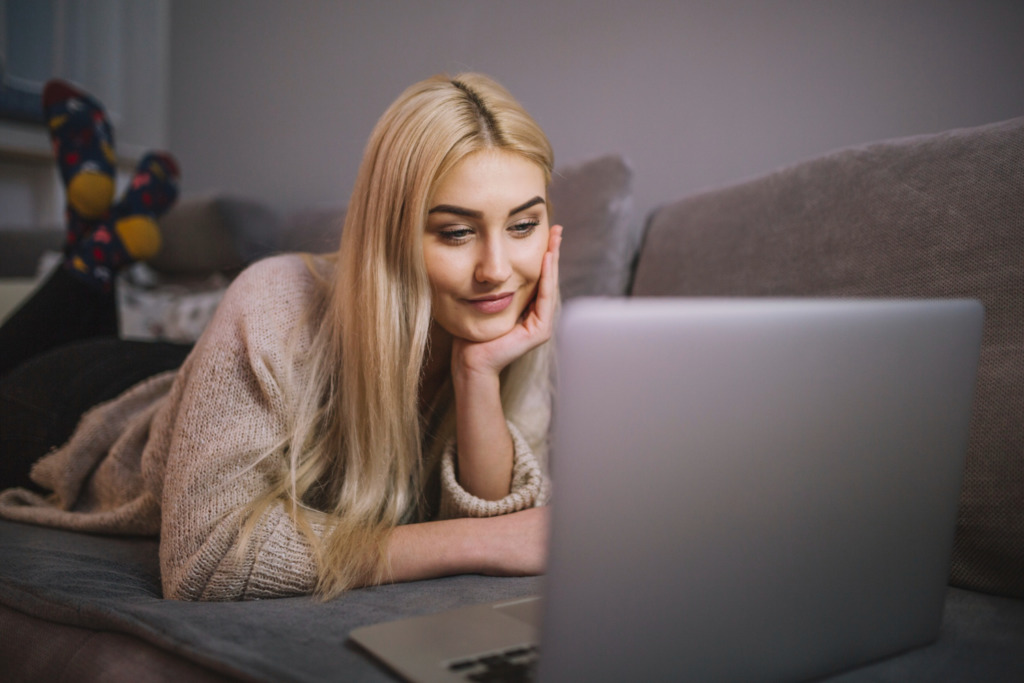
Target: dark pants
(60,356)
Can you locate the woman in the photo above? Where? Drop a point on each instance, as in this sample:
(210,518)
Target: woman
(336,404)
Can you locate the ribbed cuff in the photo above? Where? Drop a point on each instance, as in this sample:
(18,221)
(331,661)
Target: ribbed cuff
(528,489)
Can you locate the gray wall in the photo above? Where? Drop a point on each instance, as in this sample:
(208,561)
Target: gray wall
(276,99)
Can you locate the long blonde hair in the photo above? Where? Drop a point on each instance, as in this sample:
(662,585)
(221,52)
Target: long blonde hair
(356,465)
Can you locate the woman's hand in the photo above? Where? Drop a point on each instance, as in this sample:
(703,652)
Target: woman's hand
(534,327)
(485,448)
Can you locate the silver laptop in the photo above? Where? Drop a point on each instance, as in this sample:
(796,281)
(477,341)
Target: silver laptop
(744,490)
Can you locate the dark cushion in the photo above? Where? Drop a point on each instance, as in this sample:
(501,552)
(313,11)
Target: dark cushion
(929,216)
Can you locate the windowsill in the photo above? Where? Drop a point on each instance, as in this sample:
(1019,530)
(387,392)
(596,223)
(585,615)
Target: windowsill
(30,144)
(25,143)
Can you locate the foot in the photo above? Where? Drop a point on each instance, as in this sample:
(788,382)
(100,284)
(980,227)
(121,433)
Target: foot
(131,234)
(153,189)
(83,143)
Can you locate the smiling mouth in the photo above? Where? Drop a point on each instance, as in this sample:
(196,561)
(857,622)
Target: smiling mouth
(491,304)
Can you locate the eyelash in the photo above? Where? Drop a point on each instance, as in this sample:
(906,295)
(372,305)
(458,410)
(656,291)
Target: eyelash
(524,228)
(455,235)
(520,230)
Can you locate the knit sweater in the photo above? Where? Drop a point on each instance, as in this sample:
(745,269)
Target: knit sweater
(179,454)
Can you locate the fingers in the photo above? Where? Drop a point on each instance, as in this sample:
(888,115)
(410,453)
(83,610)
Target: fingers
(547,289)
(555,249)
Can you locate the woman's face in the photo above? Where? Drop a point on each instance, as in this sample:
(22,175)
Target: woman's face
(485,239)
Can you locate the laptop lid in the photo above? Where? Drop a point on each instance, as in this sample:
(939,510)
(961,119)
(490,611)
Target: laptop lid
(753,490)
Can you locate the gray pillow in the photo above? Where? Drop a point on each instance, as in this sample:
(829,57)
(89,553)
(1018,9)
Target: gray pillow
(593,201)
(215,233)
(930,216)
(316,230)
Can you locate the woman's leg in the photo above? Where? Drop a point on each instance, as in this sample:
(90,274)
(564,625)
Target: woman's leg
(62,310)
(77,301)
(59,354)
(42,400)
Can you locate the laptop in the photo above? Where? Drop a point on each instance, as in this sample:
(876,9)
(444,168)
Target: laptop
(744,490)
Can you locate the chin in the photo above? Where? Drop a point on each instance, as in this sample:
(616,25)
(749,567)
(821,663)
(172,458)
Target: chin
(484,333)
(478,331)
(475,328)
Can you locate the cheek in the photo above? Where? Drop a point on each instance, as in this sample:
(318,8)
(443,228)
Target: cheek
(532,260)
(439,270)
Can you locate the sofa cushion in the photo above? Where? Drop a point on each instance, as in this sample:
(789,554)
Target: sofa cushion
(593,201)
(215,233)
(316,229)
(929,216)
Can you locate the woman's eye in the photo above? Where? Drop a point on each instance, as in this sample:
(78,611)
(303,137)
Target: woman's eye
(455,235)
(524,228)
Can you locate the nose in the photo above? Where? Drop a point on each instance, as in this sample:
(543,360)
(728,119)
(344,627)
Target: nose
(493,265)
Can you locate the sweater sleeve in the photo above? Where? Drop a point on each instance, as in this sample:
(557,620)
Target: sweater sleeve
(226,414)
(529,484)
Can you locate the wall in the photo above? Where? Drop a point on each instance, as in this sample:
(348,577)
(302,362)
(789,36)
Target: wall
(276,99)
(118,50)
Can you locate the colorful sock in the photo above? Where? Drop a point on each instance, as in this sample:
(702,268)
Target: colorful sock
(83,144)
(131,234)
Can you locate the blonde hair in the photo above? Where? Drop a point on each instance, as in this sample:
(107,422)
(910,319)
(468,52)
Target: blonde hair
(355,457)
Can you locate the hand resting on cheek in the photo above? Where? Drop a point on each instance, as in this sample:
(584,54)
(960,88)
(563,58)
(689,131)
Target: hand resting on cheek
(535,325)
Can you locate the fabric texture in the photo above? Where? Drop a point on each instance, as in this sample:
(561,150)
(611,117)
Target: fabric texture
(594,201)
(112,585)
(109,588)
(60,311)
(930,216)
(128,233)
(215,233)
(179,454)
(153,307)
(529,486)
(83,142)
(42,400)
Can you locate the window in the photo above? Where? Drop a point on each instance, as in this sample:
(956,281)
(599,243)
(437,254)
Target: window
(115,49)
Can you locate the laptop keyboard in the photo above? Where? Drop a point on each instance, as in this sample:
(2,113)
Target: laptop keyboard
(517,664)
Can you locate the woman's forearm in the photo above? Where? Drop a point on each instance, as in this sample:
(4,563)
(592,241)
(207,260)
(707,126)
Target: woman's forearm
(508,545)
(484,445)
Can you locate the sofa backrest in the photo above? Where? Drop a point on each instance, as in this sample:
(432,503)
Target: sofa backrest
(929,216)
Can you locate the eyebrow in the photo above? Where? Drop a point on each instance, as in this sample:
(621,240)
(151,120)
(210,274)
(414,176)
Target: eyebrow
(472,213)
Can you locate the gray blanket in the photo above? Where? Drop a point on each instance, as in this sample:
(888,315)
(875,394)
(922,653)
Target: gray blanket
(113,584)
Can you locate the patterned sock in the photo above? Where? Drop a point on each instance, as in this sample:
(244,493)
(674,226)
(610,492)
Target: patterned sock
(131,233)
(83,144)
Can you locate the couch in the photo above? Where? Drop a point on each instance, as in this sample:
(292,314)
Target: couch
(935,215)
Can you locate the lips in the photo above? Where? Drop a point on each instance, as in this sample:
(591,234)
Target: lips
(491,304)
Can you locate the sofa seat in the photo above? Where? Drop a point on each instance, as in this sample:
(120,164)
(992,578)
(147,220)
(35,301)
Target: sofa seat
(88,608)
(100,596)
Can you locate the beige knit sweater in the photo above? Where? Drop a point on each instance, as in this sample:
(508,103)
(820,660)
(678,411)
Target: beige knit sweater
(178,454)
